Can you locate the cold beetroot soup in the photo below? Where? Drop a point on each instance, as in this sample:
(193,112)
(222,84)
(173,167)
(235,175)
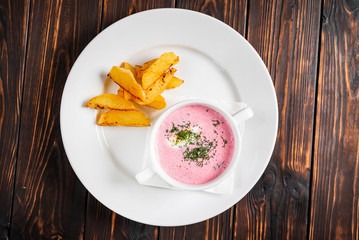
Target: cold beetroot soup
(194,144)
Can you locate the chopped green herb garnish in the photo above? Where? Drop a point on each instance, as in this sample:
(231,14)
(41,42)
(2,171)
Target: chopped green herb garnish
(184,125)
(224,141)
(197,148)
(215,123)
(187,136)
(174,128)
(201,152)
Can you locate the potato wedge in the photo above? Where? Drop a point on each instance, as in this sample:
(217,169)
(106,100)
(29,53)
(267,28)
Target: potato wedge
(175,82)
(158,68)
(110,101)
(159,103)
(128,66)
(133,118)
(137,71)
(120,92)
(148,63)
(128,96)
(125,79)
(159,86)
(141,69)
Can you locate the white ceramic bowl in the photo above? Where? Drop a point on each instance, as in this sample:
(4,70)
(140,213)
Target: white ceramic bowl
(233,120)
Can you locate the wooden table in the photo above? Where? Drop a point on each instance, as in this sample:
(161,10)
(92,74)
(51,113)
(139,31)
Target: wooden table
(310,188)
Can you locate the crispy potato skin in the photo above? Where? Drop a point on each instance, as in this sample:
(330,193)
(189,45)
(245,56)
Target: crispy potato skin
(158,68)
(174,83)
(158,103)
(120,92)
(141,69)
(128,66)
(133,118)
(125,79)
(110,101)
(159,86)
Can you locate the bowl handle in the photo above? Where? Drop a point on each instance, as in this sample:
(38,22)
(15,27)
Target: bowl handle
(144,175)
(243,115)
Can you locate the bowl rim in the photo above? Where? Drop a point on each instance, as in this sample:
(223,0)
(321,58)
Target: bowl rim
(155,165)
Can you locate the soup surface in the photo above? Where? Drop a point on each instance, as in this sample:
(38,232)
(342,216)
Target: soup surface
(195,144)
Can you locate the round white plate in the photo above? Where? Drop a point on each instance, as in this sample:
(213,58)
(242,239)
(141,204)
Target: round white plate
(215,62)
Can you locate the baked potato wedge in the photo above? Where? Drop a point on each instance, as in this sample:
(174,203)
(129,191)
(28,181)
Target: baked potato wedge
(120,92)
(158,103)
(126,80)
(158,68)
(110,101)
(128,66)
(141,69)
(158,86)
(132,118)
(175,82)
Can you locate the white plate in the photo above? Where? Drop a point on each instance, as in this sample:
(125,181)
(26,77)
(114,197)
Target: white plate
(216,63)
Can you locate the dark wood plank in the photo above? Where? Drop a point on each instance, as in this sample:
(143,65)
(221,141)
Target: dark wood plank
(49,201)
(335,191)
(286,35)
(219,227)
(173,233)
(114,226)
(102,223)
(115,10)
(234,13)
(13,28)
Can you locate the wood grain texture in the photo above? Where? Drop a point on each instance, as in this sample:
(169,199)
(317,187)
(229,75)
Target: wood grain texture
(13,29)
(114,226)
(102,223)
(335,193)
(49,201)
(115,10)
(220,227)
(286,34)
(232,12)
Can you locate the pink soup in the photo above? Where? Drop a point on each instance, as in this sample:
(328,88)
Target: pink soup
(195,144)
